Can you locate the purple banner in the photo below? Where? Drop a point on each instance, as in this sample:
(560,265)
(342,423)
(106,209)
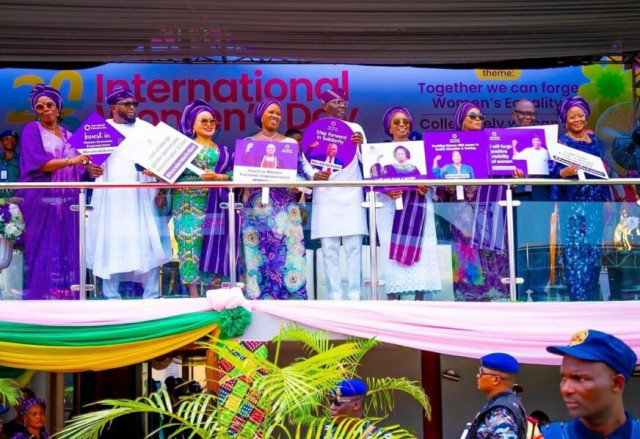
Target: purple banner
(456,154)
(327,144)
(97,138)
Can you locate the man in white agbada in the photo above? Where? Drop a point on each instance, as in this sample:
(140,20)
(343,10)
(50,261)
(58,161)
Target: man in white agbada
(127,240)
(337,215)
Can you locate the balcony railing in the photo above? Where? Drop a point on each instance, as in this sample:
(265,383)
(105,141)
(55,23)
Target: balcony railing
(489,241)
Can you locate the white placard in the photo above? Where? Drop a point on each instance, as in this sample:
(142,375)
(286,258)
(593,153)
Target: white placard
(568,156)
(168,152)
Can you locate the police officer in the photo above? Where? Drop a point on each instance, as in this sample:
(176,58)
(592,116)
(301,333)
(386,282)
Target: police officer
(595,369)
(503,416)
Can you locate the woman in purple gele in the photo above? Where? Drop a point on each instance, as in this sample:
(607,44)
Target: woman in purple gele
(478,230)
(34,412)
(581,213)
(51,227)
(272,238)
(408,236)
(199,222)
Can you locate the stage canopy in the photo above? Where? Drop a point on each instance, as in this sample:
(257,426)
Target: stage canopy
(411,32)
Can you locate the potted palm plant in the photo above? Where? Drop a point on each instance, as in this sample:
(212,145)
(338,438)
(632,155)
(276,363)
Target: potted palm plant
(294,397)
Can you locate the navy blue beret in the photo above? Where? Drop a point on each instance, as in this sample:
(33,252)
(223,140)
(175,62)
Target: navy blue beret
(501,362)
(9,133)
(592,345)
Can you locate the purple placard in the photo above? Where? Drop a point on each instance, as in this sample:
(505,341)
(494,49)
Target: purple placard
(394,161)
(258,160)
(456,154)
(327,144)
(522,149)
(97,138)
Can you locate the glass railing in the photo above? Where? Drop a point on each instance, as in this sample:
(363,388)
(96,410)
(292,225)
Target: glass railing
(484,242)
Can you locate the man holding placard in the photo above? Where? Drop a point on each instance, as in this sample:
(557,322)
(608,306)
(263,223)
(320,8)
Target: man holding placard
(337,215)
(126,238)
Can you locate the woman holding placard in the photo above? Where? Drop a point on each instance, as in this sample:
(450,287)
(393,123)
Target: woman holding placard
(190,205)
(51,228)
(581,214)
(408,236)
(478,230)
(272,238)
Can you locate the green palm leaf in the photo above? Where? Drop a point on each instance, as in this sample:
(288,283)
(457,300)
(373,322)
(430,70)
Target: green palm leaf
(9,392)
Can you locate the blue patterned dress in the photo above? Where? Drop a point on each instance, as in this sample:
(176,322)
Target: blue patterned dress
(273,243)
(581,226)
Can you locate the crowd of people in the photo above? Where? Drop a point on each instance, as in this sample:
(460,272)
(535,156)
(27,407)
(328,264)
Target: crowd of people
(128,235)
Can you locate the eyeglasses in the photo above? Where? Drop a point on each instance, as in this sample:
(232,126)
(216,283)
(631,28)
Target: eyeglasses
(530,114)
(340,102)
(49,105)
(475,116)
(205,122)
(399,121)
(128,104)
(482,372)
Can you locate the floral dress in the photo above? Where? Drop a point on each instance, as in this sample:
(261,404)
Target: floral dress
(189,207)
(273,244)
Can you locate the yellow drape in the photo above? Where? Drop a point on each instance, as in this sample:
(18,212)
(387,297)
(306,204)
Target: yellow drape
(77,359)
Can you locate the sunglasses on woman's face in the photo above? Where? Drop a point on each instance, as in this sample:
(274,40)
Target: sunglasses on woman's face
(476,116)
(399,121)
(49,105)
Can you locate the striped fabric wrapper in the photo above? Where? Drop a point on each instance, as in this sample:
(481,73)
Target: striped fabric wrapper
(407,230)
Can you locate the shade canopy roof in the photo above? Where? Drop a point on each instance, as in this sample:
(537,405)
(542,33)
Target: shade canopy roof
(409,32)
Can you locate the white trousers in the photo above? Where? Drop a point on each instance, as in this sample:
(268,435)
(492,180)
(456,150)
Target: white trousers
(149,281)
(331,259)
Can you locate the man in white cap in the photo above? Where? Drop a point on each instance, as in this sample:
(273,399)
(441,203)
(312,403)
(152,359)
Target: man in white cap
(337,215)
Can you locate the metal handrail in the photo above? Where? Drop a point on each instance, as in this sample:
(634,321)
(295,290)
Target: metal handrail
(331,183)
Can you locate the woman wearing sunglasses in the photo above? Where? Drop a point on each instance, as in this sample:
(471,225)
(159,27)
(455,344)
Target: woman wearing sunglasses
(478,233)
(51,228)
(202,245)
(408,236)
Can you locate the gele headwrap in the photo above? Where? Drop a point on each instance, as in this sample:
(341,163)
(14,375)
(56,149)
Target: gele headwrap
(30,402)
(461,112)
(569,103)
(190,113)
(261,108)
(45,90)
(388,115)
